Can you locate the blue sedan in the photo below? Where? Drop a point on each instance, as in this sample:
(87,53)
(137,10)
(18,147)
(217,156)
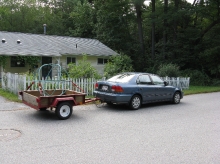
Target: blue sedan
(135,89)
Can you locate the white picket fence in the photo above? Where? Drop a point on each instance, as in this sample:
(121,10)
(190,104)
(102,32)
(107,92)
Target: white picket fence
(15,83)
(180,82)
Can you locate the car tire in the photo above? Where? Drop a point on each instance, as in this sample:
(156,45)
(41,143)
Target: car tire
(109,103)
(176,98)
(135,102)
(64,110)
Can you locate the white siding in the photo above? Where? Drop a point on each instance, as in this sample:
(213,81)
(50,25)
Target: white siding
(92,59)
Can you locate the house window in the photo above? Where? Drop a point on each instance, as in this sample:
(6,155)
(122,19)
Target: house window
(102,61)
(17,62)
(70,60)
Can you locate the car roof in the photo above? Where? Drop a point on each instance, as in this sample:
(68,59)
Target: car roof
(138,73)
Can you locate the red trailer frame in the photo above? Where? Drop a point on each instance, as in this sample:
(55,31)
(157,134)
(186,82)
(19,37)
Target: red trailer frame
(62,100)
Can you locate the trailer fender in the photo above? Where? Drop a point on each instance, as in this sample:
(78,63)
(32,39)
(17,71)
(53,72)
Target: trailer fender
(58,100)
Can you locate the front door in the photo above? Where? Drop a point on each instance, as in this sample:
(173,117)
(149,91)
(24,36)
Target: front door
(146,88)
(46,70)
(162,92)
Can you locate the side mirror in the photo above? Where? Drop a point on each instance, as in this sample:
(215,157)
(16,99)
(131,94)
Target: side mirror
(165,83)
(138,81)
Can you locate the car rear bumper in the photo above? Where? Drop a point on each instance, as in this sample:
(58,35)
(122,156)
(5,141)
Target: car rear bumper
(113,98)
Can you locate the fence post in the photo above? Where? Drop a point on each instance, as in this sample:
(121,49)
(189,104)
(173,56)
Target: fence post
(16,82)
(2,79)
(188,82)
(178,82)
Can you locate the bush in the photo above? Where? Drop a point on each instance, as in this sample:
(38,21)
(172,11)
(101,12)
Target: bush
(170,70)
(118,64)
(197,77)
(83,69)
(215,82)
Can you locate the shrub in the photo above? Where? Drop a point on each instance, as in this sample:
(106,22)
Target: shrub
(83,69)
(215,82)
(197,77)
(118,64)
(170,70)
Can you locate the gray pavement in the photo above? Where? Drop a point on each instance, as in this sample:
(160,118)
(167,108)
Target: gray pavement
(157,133)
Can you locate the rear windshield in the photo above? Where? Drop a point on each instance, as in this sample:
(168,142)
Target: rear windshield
(122,78)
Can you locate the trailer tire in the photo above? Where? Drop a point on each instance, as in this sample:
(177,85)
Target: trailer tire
(42,109)
(64,110)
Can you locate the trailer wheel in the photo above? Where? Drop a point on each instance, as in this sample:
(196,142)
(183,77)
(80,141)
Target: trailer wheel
(42,109)
(64,110)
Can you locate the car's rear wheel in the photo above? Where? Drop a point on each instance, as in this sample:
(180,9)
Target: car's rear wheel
(109,103)
(135,102)
(176,98)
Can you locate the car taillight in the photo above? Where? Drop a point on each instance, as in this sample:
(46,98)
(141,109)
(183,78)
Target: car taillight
(96,85)
(116,88)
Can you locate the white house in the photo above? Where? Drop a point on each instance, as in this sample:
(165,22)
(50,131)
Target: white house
(51,49)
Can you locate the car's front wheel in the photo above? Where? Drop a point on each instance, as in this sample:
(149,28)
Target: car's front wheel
(135,102)
(176,98)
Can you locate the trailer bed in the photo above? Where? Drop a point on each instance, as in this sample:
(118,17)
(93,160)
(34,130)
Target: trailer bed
(62,100)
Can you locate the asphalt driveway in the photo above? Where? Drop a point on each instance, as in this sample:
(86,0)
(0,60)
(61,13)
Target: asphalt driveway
(157,133)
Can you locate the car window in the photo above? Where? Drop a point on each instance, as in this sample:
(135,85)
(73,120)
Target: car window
(157,80)
(122,78)
(144,79)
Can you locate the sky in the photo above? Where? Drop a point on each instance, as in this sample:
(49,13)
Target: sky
(148,1)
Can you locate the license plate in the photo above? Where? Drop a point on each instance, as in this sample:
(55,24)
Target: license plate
(104,88)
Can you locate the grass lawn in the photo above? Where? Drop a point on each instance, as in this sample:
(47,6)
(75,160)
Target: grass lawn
(191,90)
(201,89)
(8,95)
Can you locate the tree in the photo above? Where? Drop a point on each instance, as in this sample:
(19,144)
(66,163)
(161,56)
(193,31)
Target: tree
(83,17)
(138,8)
(112,26)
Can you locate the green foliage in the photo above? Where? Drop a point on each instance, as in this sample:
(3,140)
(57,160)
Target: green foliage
(3,60)
(114,24)
(212,58)
(32,61)
(118,64)
(83,69)
(186,34)
(196,77)
(170,70)
(215,82)
(83,17)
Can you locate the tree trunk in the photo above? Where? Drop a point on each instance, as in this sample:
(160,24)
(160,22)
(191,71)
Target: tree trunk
(140,29)
(153,29)
(165,29)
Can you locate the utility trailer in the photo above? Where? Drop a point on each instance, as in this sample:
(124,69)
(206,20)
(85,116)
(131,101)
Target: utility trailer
(63,103)
(62,100)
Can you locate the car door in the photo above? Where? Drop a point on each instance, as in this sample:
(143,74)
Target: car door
(146,88)
(162,92)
